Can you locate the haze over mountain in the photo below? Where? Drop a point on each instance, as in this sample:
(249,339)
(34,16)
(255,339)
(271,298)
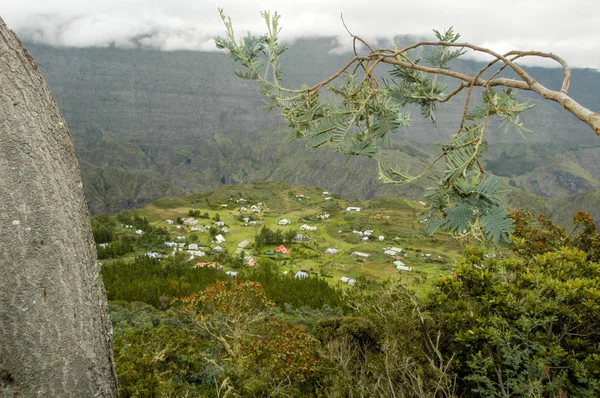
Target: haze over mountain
(148,124)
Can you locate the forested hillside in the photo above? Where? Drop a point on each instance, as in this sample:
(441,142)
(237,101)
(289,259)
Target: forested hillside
(148,124)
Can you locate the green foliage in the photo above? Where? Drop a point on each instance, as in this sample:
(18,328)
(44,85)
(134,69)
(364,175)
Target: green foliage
(523,327)
(147,279)
(310,292)
(270,237)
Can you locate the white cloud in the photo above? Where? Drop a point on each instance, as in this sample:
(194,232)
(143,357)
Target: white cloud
(569,29)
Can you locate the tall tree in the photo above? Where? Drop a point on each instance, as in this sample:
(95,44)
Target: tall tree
(55,334)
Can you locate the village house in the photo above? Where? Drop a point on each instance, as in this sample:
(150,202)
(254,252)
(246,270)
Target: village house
(282,249)
(332,251)
(400,266)
(193,246)
(307,228)
(190,221)
(249,261)
(284,221)
(381,238)
(301,275)
(170,222)
(350,281)
(139,232)
(324,216)
(195,228)
(233,274)
(351,208)
(241,200)
(219,239)
(170,244)
(155,255)
(217,249)
(244,243)
(361,254)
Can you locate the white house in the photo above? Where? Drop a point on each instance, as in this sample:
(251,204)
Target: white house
(352,282)
(197,253)
(252,223)
(401,267)
(399,263)
(139,231)
(241,200)
(308,228)
(193,246)
(244,243)
(170,244)
(390,252)
(396,249)
(217,249)
(324,216)
(351,208)
(182,244)
(254,209)
(170,222)
(361,254)
(243,208)
(332,251)
(246,219)
(301,275)
(155,255)
(328,198)
(219,238)
(325,193)
(365,238)
(195,228)
(381,238)
(233,274)
(103,245)
(220,223)
(284,221)
(344,279)
(360,233)
(368,232)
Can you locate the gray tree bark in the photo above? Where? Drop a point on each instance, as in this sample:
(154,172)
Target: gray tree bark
(55,334)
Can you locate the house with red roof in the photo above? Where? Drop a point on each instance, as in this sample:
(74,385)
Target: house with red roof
(282,249)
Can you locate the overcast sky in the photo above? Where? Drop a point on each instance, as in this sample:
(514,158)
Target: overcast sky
(570,29)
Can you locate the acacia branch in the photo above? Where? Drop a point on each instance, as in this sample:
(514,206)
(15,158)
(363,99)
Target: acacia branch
(527,83)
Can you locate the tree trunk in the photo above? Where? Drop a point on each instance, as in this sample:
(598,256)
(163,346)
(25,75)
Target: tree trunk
(55,334)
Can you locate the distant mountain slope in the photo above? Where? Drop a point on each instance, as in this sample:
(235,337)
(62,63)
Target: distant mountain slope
(148,124)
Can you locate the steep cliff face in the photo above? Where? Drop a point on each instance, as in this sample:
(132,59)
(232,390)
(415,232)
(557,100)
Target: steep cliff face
(148,123)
